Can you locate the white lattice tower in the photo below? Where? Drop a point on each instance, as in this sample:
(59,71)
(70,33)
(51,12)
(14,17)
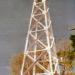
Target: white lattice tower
(40,54)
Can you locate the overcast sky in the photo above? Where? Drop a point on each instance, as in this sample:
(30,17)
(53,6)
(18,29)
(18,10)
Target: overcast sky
(14,21)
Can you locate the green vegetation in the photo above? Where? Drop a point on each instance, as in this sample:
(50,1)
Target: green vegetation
(67,60)
(68,57)
(72,38)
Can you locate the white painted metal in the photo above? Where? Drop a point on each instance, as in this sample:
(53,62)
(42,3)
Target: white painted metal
(40,43)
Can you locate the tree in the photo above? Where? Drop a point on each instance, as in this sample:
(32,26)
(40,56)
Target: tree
(72,38)
(15,64)
(66,56)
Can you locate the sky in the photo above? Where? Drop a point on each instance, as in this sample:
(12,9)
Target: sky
(14,21)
